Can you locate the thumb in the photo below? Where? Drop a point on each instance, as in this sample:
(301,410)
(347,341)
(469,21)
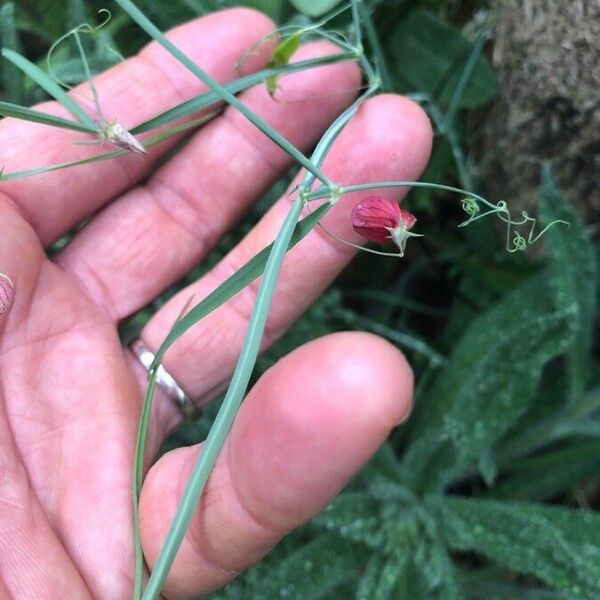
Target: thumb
(305,429)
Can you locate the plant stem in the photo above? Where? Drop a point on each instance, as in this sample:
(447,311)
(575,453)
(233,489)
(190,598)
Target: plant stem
(233,398)
(318,194)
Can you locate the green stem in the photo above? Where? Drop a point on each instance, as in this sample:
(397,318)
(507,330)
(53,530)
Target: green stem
(320,193)
(138,474)
(233,398)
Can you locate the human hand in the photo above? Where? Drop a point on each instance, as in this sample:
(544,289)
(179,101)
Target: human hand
(70,394)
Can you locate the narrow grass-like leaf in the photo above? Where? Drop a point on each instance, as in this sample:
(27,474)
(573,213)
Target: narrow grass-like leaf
(373,37)
(233,398)
(486,585)
(211,97)
(236,283)
(50,86)
(12,78)
(429,56)
(28,114)
(486,384)
(433,576)
(151,141)
(559,546)
(575,276)
(369,582)
(155,33)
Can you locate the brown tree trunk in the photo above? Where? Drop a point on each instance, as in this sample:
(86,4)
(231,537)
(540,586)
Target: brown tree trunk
(547,57)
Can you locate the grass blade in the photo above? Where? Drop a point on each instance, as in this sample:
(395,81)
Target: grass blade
(207,98)
(50,86)
(152,141)
(7,109)
(233,398)
(236,283)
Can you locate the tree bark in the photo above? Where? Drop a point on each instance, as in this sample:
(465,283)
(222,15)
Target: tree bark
(547,57)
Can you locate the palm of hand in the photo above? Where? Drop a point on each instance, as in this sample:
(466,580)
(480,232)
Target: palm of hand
(69,407)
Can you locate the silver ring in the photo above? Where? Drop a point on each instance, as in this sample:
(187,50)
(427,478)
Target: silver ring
(166,381)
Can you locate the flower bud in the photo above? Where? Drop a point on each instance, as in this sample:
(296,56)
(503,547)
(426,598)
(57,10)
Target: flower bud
(380,220)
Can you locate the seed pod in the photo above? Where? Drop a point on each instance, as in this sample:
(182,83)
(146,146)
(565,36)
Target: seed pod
(7,293)
(116,134)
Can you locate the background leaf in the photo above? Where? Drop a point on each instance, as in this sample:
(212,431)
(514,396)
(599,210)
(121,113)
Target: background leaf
(574,276)
(486,385)
(312,571)
(549,473)
(559,546)
(430,56)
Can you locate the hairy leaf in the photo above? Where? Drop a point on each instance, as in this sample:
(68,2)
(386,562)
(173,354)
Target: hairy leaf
(369,582)
(559,546)
(355,516)
(313,570)
(486,385)
(574,270)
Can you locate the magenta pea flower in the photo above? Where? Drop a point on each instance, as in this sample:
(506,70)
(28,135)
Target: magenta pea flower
(380,220)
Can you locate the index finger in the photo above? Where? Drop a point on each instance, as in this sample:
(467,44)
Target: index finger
(131,92)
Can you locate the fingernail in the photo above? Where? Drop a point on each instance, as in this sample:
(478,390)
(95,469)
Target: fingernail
(7,293)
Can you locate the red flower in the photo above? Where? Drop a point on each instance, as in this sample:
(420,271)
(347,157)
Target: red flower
(380,220)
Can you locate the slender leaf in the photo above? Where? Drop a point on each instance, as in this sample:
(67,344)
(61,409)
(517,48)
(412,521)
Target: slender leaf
(149,142)
(559,546)
(129,7)
(369,582)
(211,97)
(237,282)
(50,86)
(433,575)
(401,338)
(575,276)
(486,584)
(27,114)
(486,384)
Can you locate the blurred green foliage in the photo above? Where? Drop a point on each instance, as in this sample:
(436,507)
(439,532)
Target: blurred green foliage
(478,495)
